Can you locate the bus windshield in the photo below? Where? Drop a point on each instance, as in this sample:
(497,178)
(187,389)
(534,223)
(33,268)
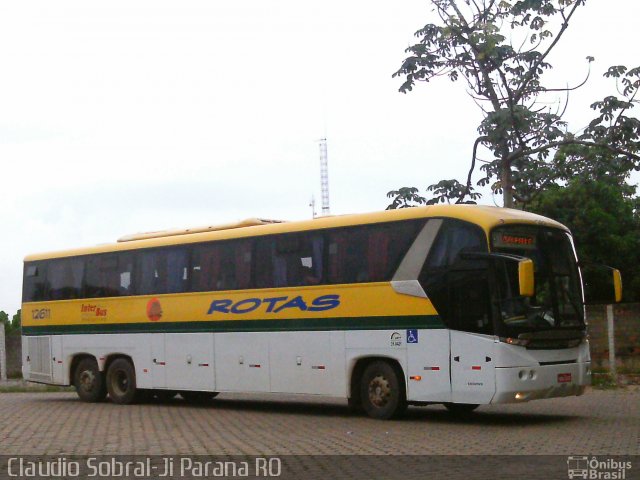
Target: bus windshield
(558,301)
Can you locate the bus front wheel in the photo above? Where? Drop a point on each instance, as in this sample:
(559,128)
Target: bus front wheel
(89,381)
(121,382)
(382,391)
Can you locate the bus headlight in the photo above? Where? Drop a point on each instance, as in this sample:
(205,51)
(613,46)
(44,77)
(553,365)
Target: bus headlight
(522,342)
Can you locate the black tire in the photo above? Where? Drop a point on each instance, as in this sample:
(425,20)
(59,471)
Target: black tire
(198,397)
(89,381)
(461,408)
(121,382)
(382,391)
(354,404)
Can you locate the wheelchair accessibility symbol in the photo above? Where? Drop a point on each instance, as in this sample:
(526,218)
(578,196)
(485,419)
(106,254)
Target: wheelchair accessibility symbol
(412,336)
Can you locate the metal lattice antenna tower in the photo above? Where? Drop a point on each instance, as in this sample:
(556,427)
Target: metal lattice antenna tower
(324,176)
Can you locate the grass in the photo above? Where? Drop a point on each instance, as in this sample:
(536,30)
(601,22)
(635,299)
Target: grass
(620,370)
(603,381)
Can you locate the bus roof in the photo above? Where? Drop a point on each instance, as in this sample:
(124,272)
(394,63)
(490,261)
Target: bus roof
(484,216)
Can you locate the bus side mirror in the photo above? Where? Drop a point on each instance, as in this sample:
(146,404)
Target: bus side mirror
(602,284)
(617,285)
(526,278)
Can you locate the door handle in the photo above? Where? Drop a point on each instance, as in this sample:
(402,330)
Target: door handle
(456,359)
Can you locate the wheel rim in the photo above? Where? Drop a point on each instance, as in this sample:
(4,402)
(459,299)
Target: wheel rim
(87,380)
(120,382)
(379,391)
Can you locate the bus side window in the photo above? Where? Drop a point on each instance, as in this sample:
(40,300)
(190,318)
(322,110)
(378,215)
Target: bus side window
(369,253)
(221,266)
(177,270)
(125,273)
(205,269)
(349,260)
(108,275)
(457,287)
(289,260)
(35,282)
(311,259)
(152,274)
(242,263)
(64,278)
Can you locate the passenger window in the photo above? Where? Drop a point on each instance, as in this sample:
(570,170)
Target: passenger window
(221,266)
(64,278)
(289,260)
(108,275)
(369,253)
(35,282)
(163,271)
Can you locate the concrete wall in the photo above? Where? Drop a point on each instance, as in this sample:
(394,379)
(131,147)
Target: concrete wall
(14,355)
(627,339)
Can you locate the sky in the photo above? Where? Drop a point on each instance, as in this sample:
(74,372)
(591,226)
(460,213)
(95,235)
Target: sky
(127,116)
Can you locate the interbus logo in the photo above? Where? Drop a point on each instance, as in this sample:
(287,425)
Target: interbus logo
(89,310)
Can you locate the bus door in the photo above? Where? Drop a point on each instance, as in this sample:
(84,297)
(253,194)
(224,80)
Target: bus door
(472,341)
(458,287)
(57,360)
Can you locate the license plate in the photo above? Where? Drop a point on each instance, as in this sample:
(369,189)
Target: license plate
(564,377)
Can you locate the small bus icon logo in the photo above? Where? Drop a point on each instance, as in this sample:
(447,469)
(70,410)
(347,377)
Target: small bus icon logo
(578,467)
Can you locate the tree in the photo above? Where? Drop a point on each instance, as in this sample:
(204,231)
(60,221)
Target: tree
(13,325)
(16,321)
(500,50)
(604,217)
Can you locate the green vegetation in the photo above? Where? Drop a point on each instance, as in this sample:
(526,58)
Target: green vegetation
(500,51)
(13,325)
(603,216)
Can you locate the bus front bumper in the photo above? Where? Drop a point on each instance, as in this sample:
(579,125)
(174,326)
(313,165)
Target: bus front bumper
(521,384)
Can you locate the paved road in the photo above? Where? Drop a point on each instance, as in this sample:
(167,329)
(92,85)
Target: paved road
(598,423)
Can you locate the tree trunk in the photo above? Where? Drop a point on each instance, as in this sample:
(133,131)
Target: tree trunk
(507,198)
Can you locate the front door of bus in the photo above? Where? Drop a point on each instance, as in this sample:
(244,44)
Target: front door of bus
(472,341)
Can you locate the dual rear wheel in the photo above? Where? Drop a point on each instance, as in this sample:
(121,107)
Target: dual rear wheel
(89,381)
(92,385)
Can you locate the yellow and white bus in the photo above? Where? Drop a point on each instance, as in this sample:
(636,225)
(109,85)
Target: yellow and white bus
(459,305)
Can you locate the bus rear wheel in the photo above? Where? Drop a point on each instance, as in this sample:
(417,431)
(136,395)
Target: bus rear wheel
(382,391)
(121,382)
(89,381)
